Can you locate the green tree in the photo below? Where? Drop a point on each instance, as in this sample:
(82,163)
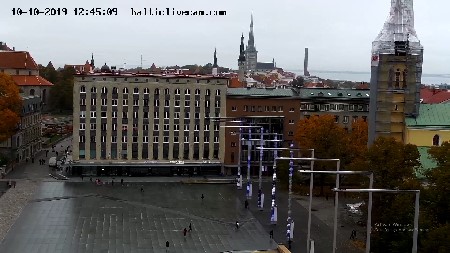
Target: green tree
(61,94)
(393,164)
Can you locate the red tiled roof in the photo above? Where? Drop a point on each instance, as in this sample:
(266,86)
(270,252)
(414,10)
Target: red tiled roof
(434,96)
(17,60)
(31,81)
(235,83)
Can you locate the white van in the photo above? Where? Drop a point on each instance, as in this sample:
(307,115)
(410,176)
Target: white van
(52,161)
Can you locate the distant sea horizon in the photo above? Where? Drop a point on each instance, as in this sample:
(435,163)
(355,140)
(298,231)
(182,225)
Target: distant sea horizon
(356,76)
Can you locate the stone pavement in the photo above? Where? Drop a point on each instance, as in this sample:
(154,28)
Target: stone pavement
(82,217)
(12,203)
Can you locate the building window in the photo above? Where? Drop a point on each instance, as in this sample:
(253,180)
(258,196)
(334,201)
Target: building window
(82,89)
(197,103)
(166,139)
(217,103)
(124,139)
(195,139)
(135,139)
(291,121)
(82,114)
(156,115)
(145,126)
(104,90)
(274,108)
(166,115)
(187,103)
(82,139)
(136,102)
(177,91)
(166,103)
(93,101)
(103,138)
(187,92)
(291,109)
(345,120)
(136,91)
(197,115)
(93,115)
(156,91)
(135,115)
(93,126)
(167,91)
(125,90)
(175,139)
(156,102)
(233,144)
(82,126)
(208,92)
(114,127)
(436,140)
(114,114)
(114,102)
(234,108)
(290,133)
(186,127)
(125,102)
(207,103)
(177,103)
(186,115)
(355,118)
(176,127)
(114,90)
(156,127)
(196,127)
(82,101)
(206,139)
(166,127)
(114,139)
(146,90)
(336,119)
(93,139)
(103,114)
(266,108)
(245,108)
(197,91)
(155,139)
(177,115)
(186,138)
(206,127)
(93,90)
(125,115)
(217,92)
(145,115)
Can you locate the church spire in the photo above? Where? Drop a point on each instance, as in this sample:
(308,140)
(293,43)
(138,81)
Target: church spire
(399,26)
(92,61)
(242,50)
(251,38)
(215,58)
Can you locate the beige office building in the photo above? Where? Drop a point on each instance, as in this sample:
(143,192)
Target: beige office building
(147,124)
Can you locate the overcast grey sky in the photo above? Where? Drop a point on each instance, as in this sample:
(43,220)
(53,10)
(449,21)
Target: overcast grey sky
(338,33)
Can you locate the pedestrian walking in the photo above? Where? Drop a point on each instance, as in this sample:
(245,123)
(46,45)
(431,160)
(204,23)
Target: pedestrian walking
(167,246)
(82,177)
(112,182)
(246,204)
(190,227)
(353,235)
(142,189)
(184,232)
(271,234)
(203,196)
(121,181)
(32,159)
(90,179)
(237,225)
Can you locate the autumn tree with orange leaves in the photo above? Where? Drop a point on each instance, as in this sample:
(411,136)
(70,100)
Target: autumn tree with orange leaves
(10,104)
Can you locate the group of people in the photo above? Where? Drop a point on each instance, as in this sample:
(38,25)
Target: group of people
(41,161)
(185,230)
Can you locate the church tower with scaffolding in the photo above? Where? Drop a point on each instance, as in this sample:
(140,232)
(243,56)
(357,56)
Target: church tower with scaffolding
(396,72)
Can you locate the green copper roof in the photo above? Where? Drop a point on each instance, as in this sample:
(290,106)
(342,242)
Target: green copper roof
(260,92)
(427,163)
(431,116)
(334,93)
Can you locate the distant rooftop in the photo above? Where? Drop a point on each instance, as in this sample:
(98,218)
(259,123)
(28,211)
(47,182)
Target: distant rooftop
(261,92)
(431,116)
(125,75)
(334,93)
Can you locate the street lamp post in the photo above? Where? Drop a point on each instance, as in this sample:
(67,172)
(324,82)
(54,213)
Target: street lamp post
(311,159)
(416,209)
(337,173)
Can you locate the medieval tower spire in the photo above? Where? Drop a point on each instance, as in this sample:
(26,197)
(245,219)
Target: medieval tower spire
(215,66)
(251,54)
(241,60)
(396,73)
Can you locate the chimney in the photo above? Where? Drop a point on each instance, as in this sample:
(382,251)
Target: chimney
(14,48)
